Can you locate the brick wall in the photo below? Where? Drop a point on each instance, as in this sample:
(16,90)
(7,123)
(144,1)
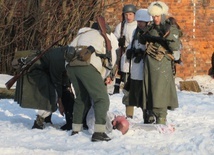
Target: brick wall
(196,19)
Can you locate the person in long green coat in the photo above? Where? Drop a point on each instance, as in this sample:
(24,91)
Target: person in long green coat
(41,87)
(159,91)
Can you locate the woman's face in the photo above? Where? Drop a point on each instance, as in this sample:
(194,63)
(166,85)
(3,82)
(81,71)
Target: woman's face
(157,19)
(129,16)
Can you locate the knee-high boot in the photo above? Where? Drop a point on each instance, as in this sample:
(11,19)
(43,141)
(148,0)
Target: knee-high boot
(68,125)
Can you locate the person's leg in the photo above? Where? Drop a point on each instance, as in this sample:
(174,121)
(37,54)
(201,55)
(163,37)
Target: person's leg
(129,111)
(81,96)
(117,85)
(149,117)
(68,102)
(161,114)
(88,104)
(97,90)
(124,77)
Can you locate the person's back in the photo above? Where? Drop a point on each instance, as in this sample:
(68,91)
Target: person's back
(41,87)
(92,37)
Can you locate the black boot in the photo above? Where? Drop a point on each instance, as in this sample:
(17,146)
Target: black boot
(48,119)
(68,125)
(149,117)
(99,136)
(116,89)
(84,123)
(38,123)
(117,86)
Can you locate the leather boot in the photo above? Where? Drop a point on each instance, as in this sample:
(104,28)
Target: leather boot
(161,120)
(116,90)
(38,123)
(149,117)
(100,136)
(117,86)
(68,125)
(48,119)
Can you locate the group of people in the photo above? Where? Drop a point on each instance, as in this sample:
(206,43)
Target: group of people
(142,56)
(147,64)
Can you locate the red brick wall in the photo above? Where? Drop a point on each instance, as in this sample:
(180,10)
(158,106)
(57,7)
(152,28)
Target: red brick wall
(196,19)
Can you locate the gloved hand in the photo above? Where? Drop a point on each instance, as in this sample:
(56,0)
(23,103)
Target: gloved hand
(129,53)
(151,49)
(18,63)
(156,51)
(121,41)
(138,55)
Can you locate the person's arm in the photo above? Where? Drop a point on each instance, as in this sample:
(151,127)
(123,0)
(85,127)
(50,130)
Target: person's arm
(174,39)
(117,31)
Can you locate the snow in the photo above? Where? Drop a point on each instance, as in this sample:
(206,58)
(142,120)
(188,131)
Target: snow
(193,135)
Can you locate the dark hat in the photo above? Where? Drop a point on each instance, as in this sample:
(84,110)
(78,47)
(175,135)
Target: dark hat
(96,27)
(129,8)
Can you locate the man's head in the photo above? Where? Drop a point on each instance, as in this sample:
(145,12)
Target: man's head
(95,26)
(158,10)
(129,12)
(120,123)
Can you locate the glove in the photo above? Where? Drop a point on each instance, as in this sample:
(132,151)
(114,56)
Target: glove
(156,51)
(121,41)
(151,49)
(138,55)
(129,53)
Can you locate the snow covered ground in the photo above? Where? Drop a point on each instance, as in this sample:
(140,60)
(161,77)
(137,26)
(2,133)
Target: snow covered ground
(193,121)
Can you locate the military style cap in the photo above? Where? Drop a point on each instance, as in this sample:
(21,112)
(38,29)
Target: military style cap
(129,8)
(158,8)
(143,15)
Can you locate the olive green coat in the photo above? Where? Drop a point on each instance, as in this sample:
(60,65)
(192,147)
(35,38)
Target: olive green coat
(40,87)
(158,85)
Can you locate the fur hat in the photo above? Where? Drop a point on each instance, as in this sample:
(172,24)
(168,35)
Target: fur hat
(158,8)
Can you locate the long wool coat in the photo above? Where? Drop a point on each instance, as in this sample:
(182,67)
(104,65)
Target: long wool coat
(158,86)
(40,87)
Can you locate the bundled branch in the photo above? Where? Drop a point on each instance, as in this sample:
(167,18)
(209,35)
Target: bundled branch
(34,25)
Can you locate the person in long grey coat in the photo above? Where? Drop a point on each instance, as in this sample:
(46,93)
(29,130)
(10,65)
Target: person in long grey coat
(41,87)
(159,92)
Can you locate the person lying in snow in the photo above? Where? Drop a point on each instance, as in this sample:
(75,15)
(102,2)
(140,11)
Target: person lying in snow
(113,122)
